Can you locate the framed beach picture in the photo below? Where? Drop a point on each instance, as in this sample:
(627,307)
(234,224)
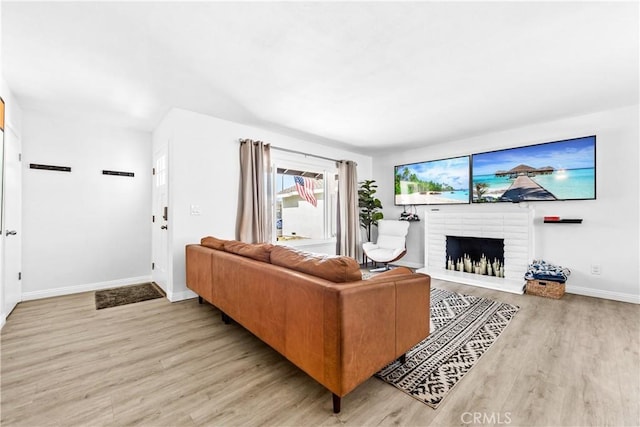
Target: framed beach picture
(559,170)
(433,182)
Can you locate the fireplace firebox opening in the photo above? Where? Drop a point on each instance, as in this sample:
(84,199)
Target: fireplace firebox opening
(476,255)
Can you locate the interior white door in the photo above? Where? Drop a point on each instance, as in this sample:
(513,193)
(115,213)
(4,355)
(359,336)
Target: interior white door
(12,219)
(160,219)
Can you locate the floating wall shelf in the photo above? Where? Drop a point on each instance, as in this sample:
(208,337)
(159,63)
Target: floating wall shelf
(564,221)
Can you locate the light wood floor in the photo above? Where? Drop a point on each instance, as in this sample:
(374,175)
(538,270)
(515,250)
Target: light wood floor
(569,362)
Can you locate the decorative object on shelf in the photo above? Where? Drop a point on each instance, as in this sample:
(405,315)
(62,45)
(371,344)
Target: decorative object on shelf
(558,220)
(369,206)
(409,216)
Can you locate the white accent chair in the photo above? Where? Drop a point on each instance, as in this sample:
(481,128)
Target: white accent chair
(391,244)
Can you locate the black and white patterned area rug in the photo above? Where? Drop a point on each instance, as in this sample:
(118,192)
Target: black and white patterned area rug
(463,327)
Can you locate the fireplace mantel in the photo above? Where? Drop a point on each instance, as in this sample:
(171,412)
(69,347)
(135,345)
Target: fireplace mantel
(514,225)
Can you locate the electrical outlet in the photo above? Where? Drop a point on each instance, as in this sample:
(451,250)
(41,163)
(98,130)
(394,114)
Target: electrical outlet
(195,210)
(595,269)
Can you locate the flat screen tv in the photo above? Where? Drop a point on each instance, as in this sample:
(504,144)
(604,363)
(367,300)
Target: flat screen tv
(560,170)
(433,182)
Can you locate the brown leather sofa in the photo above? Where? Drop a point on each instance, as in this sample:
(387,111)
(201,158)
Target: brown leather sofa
(314,310)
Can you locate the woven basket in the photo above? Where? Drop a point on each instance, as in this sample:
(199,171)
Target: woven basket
(545,288)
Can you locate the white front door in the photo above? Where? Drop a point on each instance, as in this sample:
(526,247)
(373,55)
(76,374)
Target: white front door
(160,219)
(12,237)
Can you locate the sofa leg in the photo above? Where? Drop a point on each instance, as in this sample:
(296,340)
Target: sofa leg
(403,359)
(200,301)
(336,403)
(226,319)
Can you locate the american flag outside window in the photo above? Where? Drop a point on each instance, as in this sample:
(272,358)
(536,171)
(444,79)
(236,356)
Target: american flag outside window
(305,187)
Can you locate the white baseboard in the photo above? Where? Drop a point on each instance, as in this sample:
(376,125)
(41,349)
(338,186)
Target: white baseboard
(181,296)
(68,290)
(598,293)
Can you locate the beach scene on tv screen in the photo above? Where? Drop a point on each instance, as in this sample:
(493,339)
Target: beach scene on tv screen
(434,182)
(563,170)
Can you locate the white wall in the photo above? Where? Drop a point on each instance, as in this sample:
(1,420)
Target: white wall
(609,234)
(204,170)
(84,230)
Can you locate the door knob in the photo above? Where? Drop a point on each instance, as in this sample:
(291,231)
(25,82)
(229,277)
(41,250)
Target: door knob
(163,227)
(11,233)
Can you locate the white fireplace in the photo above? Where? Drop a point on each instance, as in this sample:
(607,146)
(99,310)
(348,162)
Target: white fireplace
(512,224)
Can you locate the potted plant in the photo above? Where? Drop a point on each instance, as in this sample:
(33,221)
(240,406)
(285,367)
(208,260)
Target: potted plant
(369,206)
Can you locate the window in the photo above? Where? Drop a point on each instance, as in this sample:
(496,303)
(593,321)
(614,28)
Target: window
(305,201)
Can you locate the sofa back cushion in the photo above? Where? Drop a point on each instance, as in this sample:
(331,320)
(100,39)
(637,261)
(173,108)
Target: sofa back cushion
(337,269)
(213,243)
(257,251)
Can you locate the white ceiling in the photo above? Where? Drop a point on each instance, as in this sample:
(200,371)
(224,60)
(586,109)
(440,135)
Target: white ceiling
(368,75)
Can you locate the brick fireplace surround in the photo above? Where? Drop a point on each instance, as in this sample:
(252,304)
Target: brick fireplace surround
(514,225)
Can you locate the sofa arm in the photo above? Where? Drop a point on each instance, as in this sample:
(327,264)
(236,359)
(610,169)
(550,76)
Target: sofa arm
(412,311)
(370,322)
(365,331)
(412,306)
(198,270)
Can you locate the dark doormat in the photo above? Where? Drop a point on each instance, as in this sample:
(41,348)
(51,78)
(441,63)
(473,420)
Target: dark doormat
(127,295)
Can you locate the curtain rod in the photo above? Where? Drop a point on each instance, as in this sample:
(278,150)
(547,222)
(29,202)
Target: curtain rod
(304,154)
(287,150)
